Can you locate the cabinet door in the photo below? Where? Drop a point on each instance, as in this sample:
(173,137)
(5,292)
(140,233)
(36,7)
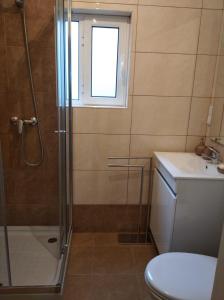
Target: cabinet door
(162,213)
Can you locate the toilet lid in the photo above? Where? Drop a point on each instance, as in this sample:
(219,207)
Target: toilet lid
(182,276)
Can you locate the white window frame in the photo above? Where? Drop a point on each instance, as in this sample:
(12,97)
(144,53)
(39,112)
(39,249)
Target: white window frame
(86,23)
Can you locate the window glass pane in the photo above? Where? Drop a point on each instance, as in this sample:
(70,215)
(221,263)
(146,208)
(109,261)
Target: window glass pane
(74,58)
(104,61)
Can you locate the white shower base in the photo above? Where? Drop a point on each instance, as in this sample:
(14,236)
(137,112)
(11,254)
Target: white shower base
(34,261)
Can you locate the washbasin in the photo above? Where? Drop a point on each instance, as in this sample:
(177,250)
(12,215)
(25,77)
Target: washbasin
(188,165)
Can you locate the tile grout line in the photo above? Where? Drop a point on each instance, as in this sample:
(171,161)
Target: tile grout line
(136,134)
(176,53)
(168,96)
(154,5)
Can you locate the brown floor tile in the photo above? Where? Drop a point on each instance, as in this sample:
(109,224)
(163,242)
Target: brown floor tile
(82,239)
(115,287)
(106,239)
(142,255)
(78,288)
(102,269)
(112,260)
(143,288)
(80,261)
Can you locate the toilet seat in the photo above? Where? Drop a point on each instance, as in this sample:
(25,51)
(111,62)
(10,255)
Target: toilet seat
(181,276)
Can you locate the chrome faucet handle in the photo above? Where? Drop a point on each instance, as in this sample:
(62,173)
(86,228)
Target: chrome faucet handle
(215,155)
(213,149)
(17,122)
(14,120)
(20,126)
(32,121)
(20,122)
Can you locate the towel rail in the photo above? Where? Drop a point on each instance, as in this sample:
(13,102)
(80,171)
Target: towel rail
(142,169)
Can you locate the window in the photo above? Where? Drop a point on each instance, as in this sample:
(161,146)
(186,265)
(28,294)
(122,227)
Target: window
(100,55)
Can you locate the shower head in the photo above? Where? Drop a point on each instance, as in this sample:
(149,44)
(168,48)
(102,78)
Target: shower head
(19,3)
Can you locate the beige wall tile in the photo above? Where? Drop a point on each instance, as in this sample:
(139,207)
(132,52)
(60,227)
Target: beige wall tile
(101,187)
(176,3)
(164,74)
(192,142)
(160,115)
(199,116)
(160,29)
(100,120)
(217,117)
(166,29)
(210,31)
(145,145)
(217,4)
(204,76)
(92,150)
(219,82)
(222,39)
(222,126)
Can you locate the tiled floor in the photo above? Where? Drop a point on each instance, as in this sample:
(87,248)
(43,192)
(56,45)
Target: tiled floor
(102,269)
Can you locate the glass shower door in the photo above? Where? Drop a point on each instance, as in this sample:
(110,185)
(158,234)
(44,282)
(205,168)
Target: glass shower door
(35,196)
(65,121)
(69,118)
(5,276)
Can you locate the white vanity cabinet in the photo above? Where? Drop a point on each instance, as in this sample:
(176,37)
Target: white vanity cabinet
(163,213)
(187,210)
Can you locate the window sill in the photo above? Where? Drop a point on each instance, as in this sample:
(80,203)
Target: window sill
(80,104)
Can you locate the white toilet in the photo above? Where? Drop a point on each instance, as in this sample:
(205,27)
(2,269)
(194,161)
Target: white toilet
(181,276)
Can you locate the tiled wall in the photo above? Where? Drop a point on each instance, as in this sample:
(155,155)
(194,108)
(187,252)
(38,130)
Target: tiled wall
(173,59)
(31,193)
(175,45)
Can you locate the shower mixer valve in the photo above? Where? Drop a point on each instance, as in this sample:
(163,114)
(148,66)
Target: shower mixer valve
(20,123)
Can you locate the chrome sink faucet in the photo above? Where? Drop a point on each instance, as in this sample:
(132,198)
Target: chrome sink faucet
(213,157)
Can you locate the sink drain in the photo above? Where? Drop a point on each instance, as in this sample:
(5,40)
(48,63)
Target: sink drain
(52,240)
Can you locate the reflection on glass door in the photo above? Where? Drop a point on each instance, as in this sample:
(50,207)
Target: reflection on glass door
(5,276)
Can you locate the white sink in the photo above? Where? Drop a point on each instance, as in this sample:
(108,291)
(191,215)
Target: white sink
(188,165)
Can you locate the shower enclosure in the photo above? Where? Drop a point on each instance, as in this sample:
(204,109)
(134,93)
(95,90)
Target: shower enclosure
(35,147)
